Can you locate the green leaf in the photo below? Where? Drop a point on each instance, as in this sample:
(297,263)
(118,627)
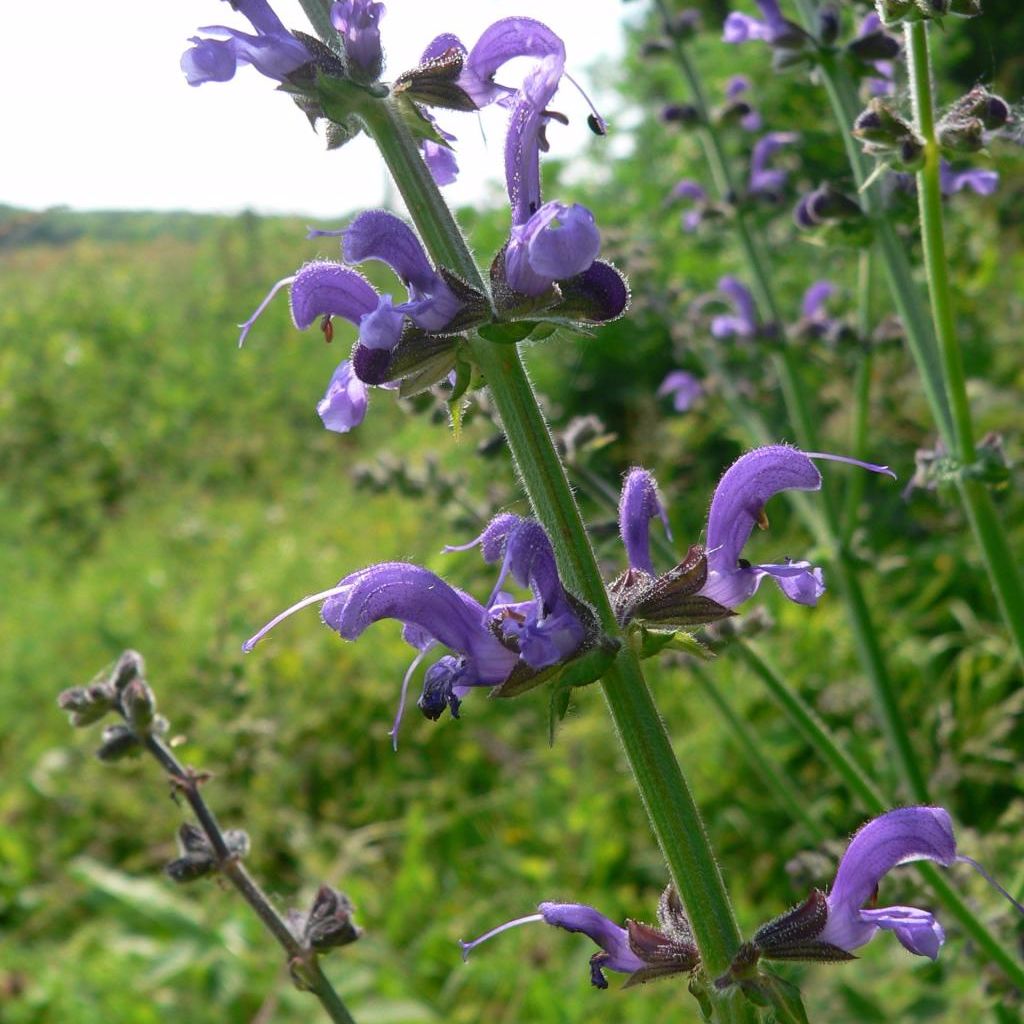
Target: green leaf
(654,641)
(781,996)
(507,333)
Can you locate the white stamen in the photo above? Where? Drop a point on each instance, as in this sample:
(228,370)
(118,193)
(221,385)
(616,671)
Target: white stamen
(852,462)
(393,733)
(468,947)
(247,326)
(304,603)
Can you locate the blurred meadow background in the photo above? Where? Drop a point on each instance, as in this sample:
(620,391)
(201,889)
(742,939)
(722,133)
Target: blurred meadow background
(164,491)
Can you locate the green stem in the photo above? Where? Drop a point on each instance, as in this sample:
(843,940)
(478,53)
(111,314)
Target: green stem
(666,796)
(861,395)
(876,802)
(996,551)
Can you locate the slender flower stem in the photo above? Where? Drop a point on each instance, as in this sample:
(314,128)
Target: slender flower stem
(666,796)
(304,964)
(875,801)
(996,550)
(861,394)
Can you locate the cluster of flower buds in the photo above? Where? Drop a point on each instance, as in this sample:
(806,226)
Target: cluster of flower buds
(196,856)
(888,137)
(966,125)
(895,12)
(834,214)
(124,691)
(328,922)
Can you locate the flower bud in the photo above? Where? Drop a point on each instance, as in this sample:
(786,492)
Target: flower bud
(683,25)
(879,124)
(961,135)
(875,46)
(680,113)
(992,110)
(129,666)
(118,741)
(894,11)
(139,705)
(828,24)
(330,922)
(654,48)
(87,704)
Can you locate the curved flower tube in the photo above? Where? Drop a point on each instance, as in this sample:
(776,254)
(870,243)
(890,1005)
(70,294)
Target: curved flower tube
(684,387)
(357,22)
(638,505)
(764,180)
(742,322)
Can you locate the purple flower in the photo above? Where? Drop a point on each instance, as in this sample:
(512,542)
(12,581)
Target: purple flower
(871,33)
(692,190)
(638,505)
(344,403)
(738,506)
(684,388)
(978,180)
(814,320)
(357,22)
(904,835)
(555,241)
(547,629)
(750,118)
(273,51)
(742,322)
(639,950)
(830,926)
(775,30)
(379,235)
(764,180)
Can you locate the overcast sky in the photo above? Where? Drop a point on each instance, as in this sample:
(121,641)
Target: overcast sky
(97,115)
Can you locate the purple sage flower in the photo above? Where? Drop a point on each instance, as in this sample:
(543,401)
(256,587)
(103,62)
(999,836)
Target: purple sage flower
(750,118)
(774,29)
(830,926)
(684,388)
(743,321)
(639,950)
(344,403)
(764,180)
(976,179)
(871,31)
(357,23)
(738,506)
(696,194)
(273,50)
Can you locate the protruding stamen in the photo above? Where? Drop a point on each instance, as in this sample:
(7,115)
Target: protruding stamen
(247,326)
(396,724)
(872,467)
(312,233)
(991,881)
(597,123)
(304,603)
(468,947)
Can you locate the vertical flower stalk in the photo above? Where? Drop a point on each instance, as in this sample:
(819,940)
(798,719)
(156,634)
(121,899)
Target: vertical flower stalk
(999,557)
(666,796)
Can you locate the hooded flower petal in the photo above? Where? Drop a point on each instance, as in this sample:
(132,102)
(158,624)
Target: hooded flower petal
(738,506)
(743,321)
(500,43)
(765,180)
(379,235)
(774,29)
(639,504)
(898,837)
(977,179)
(344,403)
(329,289)
(273,51)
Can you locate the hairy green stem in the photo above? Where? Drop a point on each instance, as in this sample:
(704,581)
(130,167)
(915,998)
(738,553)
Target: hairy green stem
(998,555)
(875,802)
(861,394)
(666,796)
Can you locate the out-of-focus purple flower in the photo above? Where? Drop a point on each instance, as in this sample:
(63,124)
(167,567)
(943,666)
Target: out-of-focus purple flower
(775,30)
(684,388)
(738,506)
(639,950)
(273,50)
(547,629)
(357,21)
(764,180)
(750,118)
(692,190)
(344,403)
(638,505)
(871,33)
(742,322)
(814,320)
(976,179)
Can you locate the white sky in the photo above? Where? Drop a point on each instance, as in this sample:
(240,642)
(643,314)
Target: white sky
(95,112)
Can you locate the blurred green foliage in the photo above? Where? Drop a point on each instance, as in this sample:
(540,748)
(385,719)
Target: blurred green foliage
(162,490)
